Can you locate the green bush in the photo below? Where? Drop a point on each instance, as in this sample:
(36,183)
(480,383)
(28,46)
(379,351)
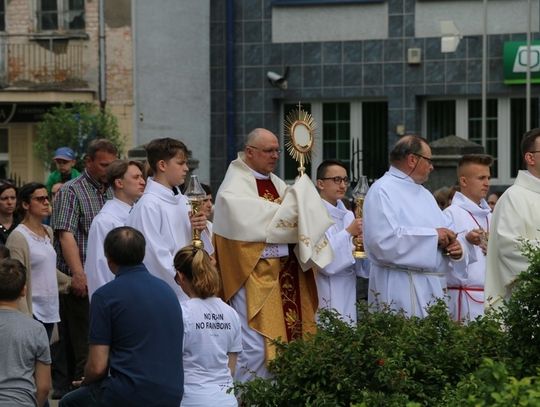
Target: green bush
(74,126)
(522,314)
(492,386)
(390,360)
(386,360)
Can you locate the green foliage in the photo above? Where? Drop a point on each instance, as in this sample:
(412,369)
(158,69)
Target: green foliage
(492,386)
(387,360)
(74,126)
(390,360)
(522,314)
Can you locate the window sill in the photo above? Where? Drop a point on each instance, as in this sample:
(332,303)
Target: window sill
(55,35)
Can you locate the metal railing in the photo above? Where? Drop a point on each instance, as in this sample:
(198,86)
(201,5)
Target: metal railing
(43,63)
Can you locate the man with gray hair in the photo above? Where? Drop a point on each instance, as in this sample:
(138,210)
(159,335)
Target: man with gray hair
(262,277)
(409,240)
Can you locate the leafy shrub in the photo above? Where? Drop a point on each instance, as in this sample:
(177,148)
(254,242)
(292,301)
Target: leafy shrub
(522,313)
(387,359)
(492,385)
(74,126)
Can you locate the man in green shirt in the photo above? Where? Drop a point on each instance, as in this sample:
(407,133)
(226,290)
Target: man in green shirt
(64,158)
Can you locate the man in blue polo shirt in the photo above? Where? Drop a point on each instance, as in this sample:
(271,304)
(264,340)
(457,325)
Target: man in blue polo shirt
(135,335)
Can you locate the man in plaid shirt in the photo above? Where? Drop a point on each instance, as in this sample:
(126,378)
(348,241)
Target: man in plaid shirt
(76,205)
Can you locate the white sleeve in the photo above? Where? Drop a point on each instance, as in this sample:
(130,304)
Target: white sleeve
(342,248)
(96,267)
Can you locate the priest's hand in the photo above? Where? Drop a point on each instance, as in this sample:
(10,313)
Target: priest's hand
(198,221)
(445,237)
(454,250)
(475,236)
(355,228)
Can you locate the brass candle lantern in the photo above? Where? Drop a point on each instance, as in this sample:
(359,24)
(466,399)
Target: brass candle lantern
(359,194)
(196,195)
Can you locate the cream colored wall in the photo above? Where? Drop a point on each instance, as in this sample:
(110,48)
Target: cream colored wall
(22,161)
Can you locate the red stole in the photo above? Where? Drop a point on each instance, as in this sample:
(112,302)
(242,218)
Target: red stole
(288,276)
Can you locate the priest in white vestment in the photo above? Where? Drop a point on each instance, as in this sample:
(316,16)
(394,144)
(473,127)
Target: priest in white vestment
(471,215)
(127,182)
(336,283)
(267,238)
(409,241)
(516,216)
(163,217)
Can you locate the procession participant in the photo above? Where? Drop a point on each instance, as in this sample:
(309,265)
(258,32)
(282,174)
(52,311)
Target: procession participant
(75,206)
(136,334)
(8,202)
(470,213)
(212,337)
(262,279)
(516,216)
(163,217)
(126,180)
(408,239)
(336,283)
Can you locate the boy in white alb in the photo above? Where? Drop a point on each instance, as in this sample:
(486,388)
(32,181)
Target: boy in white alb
(212,333)
(126,179)
(470,214)
(336,283)
(163,217)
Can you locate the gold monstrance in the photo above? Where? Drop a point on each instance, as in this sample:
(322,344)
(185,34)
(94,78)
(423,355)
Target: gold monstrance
(196,195)
(300,128)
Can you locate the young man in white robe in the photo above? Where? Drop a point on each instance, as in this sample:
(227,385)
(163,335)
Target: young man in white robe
(127,182)
(161,216)
(409,241)
(471,214)
(516,216)
(336,283)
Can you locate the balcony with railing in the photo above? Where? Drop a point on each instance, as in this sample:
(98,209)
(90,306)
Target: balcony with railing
(42,64)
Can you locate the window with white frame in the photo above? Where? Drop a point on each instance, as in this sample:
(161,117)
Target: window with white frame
(505,126)
(60,15)
(342,134)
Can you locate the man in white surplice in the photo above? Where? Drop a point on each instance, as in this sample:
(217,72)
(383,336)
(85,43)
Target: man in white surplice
(408,239)
(516,216)
(336,283)
(471,214)
(127,182)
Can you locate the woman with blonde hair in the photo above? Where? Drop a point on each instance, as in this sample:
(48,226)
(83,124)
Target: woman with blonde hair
(212,335)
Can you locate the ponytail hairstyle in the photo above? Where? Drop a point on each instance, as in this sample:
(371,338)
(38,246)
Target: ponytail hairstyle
(196,265)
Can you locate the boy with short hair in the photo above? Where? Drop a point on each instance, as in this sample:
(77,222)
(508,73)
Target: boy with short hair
(162,216)
(64,158)
(336,283)
(25,370)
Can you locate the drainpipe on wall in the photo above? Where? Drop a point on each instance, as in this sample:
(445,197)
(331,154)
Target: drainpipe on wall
(231,138)
(102,57)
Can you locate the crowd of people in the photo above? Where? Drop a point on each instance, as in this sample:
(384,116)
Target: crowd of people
(143,317)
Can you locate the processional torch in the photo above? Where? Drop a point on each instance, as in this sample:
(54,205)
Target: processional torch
(196,195)
(359,194)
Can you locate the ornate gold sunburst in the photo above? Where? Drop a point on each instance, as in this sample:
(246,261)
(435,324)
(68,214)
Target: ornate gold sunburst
(300,128)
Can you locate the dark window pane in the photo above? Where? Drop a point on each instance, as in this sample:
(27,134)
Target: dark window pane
(329,112)
(518,128)
(4,141)
(49,21)
(49,5)
(329,131)
(475,127)
(291,171)
(344,131)
(329,151)
(76,4)
(344,111)
(76,20)
(441,119)
(372,161)
(344,152)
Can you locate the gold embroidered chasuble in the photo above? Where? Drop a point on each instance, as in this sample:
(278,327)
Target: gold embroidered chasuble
(243,224)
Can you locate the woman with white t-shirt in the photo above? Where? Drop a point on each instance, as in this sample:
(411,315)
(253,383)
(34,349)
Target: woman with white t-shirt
(212,337)
(31,244)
